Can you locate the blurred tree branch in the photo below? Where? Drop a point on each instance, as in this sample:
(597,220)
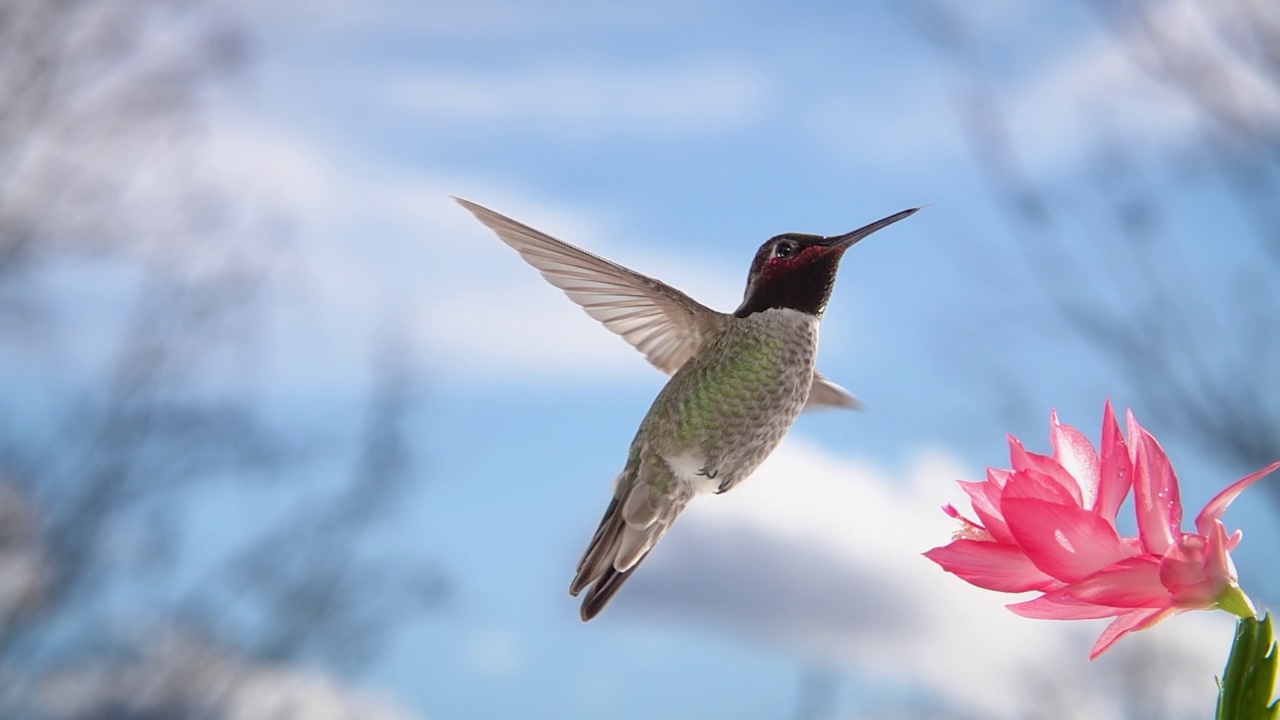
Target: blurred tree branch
(308,574)
(101,103)
(1197,349)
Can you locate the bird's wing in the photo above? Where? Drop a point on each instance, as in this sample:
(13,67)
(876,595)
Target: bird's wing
(660,321)
(825,393)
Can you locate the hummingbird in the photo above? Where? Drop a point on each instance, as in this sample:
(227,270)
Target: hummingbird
(738,380)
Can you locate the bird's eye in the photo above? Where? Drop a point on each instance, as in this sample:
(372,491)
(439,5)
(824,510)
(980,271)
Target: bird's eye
(784,248)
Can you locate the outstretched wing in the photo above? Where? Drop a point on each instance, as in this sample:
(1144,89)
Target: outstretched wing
(660,321)
(825,393)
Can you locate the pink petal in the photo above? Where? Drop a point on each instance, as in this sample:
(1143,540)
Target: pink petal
(1132,546)
(1024,461)
(1198,597)
(998,477)
(1155,491)
(985,497)
(1033,485)
(1116,468)
(1129,583)
(1218,505)
(1140,619)
(1183,564)
(1073,451)
(1065,541)
(1198,569)
(990,565)
(1057,605)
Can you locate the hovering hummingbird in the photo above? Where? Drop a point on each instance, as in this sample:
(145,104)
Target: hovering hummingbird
(738,380)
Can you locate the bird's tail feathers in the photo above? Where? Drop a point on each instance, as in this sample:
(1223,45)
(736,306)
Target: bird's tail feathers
(600,552)
(634,521)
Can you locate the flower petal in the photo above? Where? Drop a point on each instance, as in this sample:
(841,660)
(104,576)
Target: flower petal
(985,497)
(1034,485)
(1129,583)
(990,565)
(1140,619)
(1028,461)
(1073,451)
(1057,605)
(1067,542)
(1197,569)
(1183,565)
(1218,505)
(1217,562)
(1155,491)
(1116,474)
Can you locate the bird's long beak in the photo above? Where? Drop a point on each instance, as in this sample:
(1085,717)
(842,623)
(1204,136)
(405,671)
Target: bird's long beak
(846,241)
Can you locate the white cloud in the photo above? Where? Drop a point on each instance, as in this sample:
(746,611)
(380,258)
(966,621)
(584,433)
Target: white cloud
(583,100)
(378,241)
(1059,107)
(181,677)
(821,555)
(1101,86)
(486,20)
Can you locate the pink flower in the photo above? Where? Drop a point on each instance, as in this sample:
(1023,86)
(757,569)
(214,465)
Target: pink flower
(1049,525)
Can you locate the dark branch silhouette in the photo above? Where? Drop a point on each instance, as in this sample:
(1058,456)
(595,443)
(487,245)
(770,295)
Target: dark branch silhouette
(1194,345)
(115,423)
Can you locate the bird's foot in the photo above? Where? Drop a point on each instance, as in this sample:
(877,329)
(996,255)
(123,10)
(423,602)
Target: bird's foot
(707,472)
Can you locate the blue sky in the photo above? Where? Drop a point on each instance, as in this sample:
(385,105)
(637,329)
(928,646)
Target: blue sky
(674,137)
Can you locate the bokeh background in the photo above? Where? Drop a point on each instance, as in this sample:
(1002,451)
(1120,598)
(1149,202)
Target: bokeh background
(285,433)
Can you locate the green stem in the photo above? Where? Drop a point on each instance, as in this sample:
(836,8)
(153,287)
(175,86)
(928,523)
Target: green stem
(1249,681)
